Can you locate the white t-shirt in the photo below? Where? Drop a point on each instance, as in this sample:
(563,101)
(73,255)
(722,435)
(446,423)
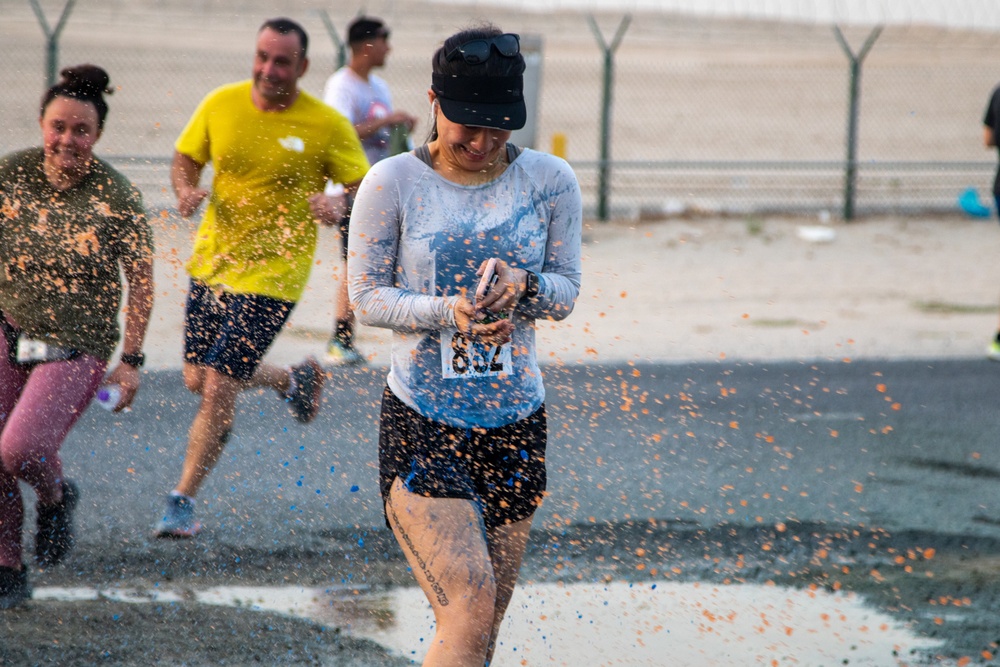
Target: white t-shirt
(360,101)
(416,241)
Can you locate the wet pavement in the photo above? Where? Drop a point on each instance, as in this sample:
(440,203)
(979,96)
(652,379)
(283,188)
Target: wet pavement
(876,478)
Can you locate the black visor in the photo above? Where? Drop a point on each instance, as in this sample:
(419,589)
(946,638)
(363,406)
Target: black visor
(482,101)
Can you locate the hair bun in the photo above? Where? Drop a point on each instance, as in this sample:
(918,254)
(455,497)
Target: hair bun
(88,80)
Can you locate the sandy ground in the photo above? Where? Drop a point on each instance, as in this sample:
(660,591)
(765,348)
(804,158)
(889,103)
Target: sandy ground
(706,289)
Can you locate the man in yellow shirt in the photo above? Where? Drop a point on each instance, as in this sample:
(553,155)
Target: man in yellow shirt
(273,147)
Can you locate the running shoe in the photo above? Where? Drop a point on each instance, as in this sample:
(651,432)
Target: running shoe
(339,354)
(993,351)
(54,533)
(14,587)
(178,521)
(303,400)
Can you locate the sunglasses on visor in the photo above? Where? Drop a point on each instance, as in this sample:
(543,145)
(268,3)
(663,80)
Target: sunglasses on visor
(477,51)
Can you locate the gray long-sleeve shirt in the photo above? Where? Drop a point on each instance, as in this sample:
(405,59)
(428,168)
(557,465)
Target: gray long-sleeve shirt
(416,241)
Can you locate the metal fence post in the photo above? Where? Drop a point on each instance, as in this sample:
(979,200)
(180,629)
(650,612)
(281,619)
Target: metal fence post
(51,38)
(337,42)
(604,166)
(851,168)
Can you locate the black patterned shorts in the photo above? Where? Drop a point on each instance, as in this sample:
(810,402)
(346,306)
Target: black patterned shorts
(230,332)
(501,470)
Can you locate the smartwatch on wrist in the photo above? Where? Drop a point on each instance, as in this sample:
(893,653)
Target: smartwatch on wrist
(134,360)
(530,285)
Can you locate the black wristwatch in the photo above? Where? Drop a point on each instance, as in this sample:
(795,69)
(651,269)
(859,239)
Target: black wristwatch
(134,360)
(530,285)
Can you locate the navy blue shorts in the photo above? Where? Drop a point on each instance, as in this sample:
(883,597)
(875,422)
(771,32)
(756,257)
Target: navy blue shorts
(230,332)
(502,470)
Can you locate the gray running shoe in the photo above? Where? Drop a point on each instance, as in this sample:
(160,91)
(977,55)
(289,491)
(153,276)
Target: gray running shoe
(338,354)
(54,527)
(304,399)
(178,521)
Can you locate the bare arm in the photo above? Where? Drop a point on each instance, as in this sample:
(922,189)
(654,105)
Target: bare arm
(329,209)
(367,128)
(989,138)
(139,305)
(185,175)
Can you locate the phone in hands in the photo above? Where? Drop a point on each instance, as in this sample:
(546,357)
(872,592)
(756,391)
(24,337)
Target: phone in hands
(486,283)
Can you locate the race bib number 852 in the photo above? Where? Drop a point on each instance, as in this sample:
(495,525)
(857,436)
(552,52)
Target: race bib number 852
(464,356)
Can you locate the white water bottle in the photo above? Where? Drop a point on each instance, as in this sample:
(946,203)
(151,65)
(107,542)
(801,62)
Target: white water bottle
(108,396)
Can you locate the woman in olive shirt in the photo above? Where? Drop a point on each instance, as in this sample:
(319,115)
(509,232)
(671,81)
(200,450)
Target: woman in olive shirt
(69,224)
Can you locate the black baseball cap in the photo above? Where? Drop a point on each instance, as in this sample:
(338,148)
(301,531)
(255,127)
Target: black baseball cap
(366,27)
(482,101)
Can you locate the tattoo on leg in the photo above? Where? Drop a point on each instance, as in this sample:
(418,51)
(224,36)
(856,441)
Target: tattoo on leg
(431,579)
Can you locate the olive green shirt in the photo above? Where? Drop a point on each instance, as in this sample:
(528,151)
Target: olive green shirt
(61,252)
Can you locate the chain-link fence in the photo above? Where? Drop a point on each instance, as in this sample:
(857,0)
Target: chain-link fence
(708,115)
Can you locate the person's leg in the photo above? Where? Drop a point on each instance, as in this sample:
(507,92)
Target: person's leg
(993,350)
(206,437)
(506,545)
(273,377)
(445,545)
(343,326)
(216,413)
(12,380)
(340,350)
(14,586)
(207,324)
(512,452)
(51,400)
(344,323)
(225,337)
(267,376)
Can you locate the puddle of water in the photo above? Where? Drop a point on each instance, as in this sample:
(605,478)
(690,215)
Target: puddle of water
(606,624)
(694,624)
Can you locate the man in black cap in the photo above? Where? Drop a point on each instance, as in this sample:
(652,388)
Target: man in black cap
(365,99)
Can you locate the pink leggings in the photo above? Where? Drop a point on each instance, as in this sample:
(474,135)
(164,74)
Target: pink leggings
(37,410)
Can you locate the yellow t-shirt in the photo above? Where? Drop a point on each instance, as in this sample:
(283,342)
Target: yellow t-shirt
(258,235)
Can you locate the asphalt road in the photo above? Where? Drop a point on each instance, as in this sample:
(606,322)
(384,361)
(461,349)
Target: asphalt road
(900,445)
(796,473)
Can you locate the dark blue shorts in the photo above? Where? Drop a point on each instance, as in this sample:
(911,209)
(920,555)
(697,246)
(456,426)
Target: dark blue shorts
(502,470)
(230,332)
